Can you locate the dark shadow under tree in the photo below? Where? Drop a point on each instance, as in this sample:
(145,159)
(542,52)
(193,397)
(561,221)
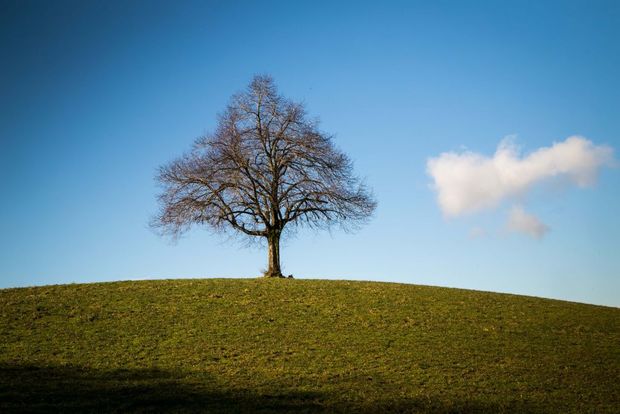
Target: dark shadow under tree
(266,168)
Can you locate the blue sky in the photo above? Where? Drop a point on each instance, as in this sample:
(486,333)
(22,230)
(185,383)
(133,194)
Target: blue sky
(96,95)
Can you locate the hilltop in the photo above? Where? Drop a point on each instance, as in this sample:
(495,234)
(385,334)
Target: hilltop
(258,345)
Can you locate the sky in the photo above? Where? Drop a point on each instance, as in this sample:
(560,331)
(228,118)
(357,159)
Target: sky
(489,132)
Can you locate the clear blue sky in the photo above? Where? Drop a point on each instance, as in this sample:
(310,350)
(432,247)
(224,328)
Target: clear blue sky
(95,95)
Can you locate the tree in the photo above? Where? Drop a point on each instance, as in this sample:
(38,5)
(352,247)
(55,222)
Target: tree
(266,168)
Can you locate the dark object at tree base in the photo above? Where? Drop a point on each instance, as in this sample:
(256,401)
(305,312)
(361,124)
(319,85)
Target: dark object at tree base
(277,275)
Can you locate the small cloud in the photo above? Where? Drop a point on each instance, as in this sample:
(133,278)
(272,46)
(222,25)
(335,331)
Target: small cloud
(520,221)
(467,182)
(477,233)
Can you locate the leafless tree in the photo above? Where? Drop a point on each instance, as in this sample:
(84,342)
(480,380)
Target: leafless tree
(266,167)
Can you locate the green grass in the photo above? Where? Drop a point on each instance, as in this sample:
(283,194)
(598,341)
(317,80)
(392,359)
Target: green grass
(257,345)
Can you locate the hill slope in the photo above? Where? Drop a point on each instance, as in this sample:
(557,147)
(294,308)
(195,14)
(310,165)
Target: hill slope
(251,345)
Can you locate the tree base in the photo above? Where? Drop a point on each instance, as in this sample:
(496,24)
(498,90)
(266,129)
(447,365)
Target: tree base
(273,274)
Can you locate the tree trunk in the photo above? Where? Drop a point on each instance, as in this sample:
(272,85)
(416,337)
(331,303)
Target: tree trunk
(273,241)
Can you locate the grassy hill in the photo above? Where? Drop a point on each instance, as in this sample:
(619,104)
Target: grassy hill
(255,345)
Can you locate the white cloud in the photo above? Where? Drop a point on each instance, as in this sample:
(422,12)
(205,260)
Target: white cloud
(468,182)
(521,222)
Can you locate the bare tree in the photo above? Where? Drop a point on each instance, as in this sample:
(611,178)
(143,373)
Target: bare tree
(266,168)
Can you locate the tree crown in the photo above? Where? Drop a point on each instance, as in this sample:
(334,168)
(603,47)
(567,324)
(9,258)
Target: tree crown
(264,167)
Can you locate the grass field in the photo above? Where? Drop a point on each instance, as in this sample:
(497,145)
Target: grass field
(257,345)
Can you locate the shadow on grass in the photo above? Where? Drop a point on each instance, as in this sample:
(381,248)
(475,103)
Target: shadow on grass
(77,390)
